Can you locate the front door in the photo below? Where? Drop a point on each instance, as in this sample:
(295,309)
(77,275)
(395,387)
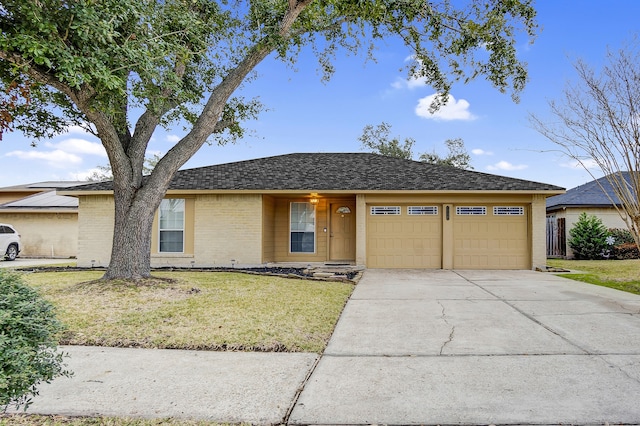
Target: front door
(342,245)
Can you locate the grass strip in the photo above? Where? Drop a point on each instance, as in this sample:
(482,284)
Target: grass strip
(196,310)
(618,274)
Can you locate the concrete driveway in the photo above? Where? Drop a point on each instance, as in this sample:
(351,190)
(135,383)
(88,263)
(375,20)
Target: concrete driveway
(478,347)
(26,262)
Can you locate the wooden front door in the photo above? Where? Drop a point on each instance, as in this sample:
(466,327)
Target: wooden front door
(342,245)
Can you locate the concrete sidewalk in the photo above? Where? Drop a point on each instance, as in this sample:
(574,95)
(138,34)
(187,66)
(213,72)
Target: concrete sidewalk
(234,387)
(411,347)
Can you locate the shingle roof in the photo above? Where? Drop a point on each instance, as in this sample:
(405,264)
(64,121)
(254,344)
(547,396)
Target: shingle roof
(42,200)
(590,194)
(337,171)
(41,186)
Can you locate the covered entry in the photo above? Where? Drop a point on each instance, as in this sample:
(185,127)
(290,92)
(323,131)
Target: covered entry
(469,236)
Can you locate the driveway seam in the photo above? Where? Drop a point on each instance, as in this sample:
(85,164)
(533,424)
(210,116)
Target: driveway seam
(526,315)
(296,397)
(601,356)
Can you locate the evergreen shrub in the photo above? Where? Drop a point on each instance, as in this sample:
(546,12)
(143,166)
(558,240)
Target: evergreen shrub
(29,334)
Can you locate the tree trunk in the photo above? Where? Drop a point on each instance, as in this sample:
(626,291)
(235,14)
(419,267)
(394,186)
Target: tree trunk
(131,252)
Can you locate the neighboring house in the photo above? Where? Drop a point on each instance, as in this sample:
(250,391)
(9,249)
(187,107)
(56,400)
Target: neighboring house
(563,212)
(47,222)
(356,208)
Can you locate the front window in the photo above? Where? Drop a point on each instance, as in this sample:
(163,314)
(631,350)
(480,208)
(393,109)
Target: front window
(303,228)
(172,226)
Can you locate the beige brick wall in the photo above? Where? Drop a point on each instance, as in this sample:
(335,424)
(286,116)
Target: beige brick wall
(268,229)
(228,227)
(95,230)
(45,234)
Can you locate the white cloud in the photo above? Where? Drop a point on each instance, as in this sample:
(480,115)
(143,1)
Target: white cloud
(575,164)
(77,130)
(57,158)
(452,110)
(84,174)
(410,83)
(173,138)
(79,146)
(479,151)
(505,165)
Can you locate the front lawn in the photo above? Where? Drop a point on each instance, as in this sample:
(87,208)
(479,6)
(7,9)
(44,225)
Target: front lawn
(619,274)
(196,310)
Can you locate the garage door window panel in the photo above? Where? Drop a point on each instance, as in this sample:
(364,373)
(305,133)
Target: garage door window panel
(508,211)
(385,210)
(422,210)
(471,210)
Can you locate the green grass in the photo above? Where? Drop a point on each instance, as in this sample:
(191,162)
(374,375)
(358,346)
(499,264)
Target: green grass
(619,274)
(196,310)
(33,420)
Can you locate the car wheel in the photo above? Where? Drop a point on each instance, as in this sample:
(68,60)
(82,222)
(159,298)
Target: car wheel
(12,252)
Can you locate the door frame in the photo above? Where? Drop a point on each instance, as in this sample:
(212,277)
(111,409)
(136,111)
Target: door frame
(334,203)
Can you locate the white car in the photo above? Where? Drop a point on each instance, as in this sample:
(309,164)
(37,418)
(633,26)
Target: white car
(9,242)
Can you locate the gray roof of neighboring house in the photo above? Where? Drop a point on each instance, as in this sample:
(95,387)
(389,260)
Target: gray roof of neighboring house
(590,194)
(42,200)
(337,171)
(41,186)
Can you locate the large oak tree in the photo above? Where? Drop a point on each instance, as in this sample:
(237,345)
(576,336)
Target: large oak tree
(121,68)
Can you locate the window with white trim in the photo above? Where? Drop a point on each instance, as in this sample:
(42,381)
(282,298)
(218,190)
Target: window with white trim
(302,228)
(471,210)
(385,210)
(422,210)
(508,210)
(171,225)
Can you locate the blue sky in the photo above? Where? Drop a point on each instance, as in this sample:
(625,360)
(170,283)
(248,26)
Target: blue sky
(306,115)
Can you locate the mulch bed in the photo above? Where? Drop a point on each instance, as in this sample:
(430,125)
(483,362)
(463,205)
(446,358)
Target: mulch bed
(303,273)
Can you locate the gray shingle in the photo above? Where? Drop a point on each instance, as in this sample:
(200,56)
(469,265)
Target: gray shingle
(338,171)
(590,194)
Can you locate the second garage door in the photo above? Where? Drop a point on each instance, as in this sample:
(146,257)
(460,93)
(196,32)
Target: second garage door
(490,237)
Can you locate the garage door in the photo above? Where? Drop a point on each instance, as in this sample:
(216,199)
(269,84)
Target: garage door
(404,236)
(490,237)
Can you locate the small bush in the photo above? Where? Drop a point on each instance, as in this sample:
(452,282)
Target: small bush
(28,340)
(621,236)
(588,237)
(625,251)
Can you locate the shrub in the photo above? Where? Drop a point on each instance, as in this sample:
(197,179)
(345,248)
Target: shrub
(621,236)
(28,340)
(588,237)
(625,251)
